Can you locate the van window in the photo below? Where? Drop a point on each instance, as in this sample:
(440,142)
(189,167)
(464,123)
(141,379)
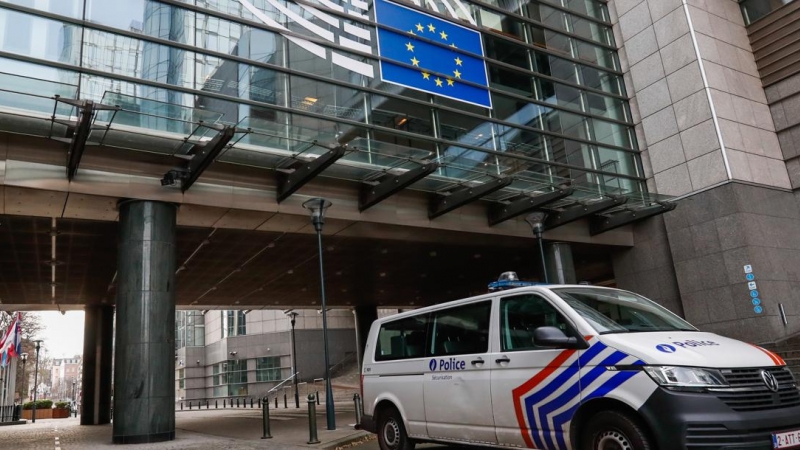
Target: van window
(521,315)
(461,330)
(402,339)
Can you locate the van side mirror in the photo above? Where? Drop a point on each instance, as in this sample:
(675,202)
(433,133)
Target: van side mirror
(553,337)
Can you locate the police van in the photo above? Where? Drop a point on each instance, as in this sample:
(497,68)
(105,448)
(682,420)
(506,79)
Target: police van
(571,367)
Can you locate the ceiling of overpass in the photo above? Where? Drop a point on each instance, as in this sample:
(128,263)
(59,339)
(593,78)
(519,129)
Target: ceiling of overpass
(242,269)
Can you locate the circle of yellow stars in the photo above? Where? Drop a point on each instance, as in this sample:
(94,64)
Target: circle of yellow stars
(420,28)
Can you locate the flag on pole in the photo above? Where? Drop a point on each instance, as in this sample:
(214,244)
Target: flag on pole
(11,343)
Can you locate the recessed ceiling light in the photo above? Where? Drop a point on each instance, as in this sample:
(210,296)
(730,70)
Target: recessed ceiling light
(384,251)
(303,289)
(271,245)
(432,254)
(476,255)
(338,272)
(330,249)
(383,274)
(313,303)
(290,271)
(423,275)
(236,302)
(344,290)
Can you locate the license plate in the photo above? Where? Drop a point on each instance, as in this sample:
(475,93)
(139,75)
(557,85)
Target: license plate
(789,439)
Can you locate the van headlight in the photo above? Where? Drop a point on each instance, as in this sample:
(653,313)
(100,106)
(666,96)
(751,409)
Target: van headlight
(690,378)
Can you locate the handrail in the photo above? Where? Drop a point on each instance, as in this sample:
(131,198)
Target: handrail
(274,388)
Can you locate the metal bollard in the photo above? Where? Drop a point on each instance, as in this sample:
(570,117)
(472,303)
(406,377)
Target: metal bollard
(216,404)
(181,406)
(207,407)
(237,402)
(251,402)
(357,401)
(285,403)
(317,395)
(265,416)
(312,420)
(276,402)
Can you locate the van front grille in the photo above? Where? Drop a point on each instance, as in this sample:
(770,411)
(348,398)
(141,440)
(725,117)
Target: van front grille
(748,392)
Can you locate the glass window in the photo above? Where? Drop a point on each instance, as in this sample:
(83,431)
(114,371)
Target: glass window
(182,378)
(69,8)
(521,315)
(753,10)
(241,323)
(461,330)
(230,323)
(36,37)
(616,311)
(268,369)
(402,339)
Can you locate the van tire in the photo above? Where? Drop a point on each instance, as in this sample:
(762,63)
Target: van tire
(391,431)
(613,430)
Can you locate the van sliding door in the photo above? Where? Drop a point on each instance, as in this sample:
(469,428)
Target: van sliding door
(458,402)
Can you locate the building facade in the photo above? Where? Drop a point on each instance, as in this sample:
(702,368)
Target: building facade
(233,353)
(65,382)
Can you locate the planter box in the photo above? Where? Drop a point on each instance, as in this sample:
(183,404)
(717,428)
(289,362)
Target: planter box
(40,413)
(58,413)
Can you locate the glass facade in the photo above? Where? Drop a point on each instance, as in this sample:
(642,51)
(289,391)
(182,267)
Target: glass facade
(268,368)
(190,329)
(293,74)
(753,10)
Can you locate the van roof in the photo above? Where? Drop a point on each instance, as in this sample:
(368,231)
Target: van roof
(537,288)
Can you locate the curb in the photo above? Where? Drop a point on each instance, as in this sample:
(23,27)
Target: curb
(356,436)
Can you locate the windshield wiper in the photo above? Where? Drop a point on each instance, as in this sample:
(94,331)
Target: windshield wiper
(615,331)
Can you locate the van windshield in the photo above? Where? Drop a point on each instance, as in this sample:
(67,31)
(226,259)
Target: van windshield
(615,311)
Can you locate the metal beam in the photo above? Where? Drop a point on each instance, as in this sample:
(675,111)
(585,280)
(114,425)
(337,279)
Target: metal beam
(289,183)
(390,184)
(443,204)
(501,212)
(601,224)
(80,134)
(573,213)
(204,155)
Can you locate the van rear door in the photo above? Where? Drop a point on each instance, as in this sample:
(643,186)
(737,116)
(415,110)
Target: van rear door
(458,402)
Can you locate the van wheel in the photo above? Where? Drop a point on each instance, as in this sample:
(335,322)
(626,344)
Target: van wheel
(611,430)
(392,433)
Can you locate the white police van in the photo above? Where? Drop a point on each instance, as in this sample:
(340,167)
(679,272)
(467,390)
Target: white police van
(561,367)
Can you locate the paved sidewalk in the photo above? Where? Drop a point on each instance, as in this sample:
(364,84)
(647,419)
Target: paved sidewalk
(202,430)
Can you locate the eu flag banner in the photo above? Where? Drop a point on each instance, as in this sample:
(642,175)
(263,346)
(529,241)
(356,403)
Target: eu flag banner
(440,57)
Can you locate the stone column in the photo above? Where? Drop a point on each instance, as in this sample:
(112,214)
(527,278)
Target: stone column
(560,267)
(98,344)
(144,363)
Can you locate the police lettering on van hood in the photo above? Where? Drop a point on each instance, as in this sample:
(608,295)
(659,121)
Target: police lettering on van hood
(692,349)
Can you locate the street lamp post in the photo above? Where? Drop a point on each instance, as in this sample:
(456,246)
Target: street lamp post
(36,379)
(536,221)
(317,207)
(293,315)
(24,358)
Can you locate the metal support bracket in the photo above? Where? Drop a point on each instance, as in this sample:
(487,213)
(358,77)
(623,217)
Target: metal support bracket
(601,224)
(204,155)
(288,184)
(443,204)
(573,213)
(79,136)
(390,184)
(501,212)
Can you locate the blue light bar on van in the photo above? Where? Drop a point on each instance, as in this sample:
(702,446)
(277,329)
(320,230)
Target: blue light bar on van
(511,284)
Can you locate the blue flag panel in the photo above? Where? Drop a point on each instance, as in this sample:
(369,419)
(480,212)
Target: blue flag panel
(440,57)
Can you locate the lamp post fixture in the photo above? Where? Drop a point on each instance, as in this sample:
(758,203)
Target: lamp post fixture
(317,208)
(536,221)
(36,380)
(293,315)
(24,358)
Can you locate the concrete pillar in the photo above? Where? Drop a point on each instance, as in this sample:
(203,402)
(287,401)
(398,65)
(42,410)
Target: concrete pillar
(365,315)
(144,362)
(560,267)
(98,344)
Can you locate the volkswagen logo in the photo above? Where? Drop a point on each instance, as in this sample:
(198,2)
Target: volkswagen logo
(769,380)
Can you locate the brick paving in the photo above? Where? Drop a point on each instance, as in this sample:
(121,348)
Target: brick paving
(206,429)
